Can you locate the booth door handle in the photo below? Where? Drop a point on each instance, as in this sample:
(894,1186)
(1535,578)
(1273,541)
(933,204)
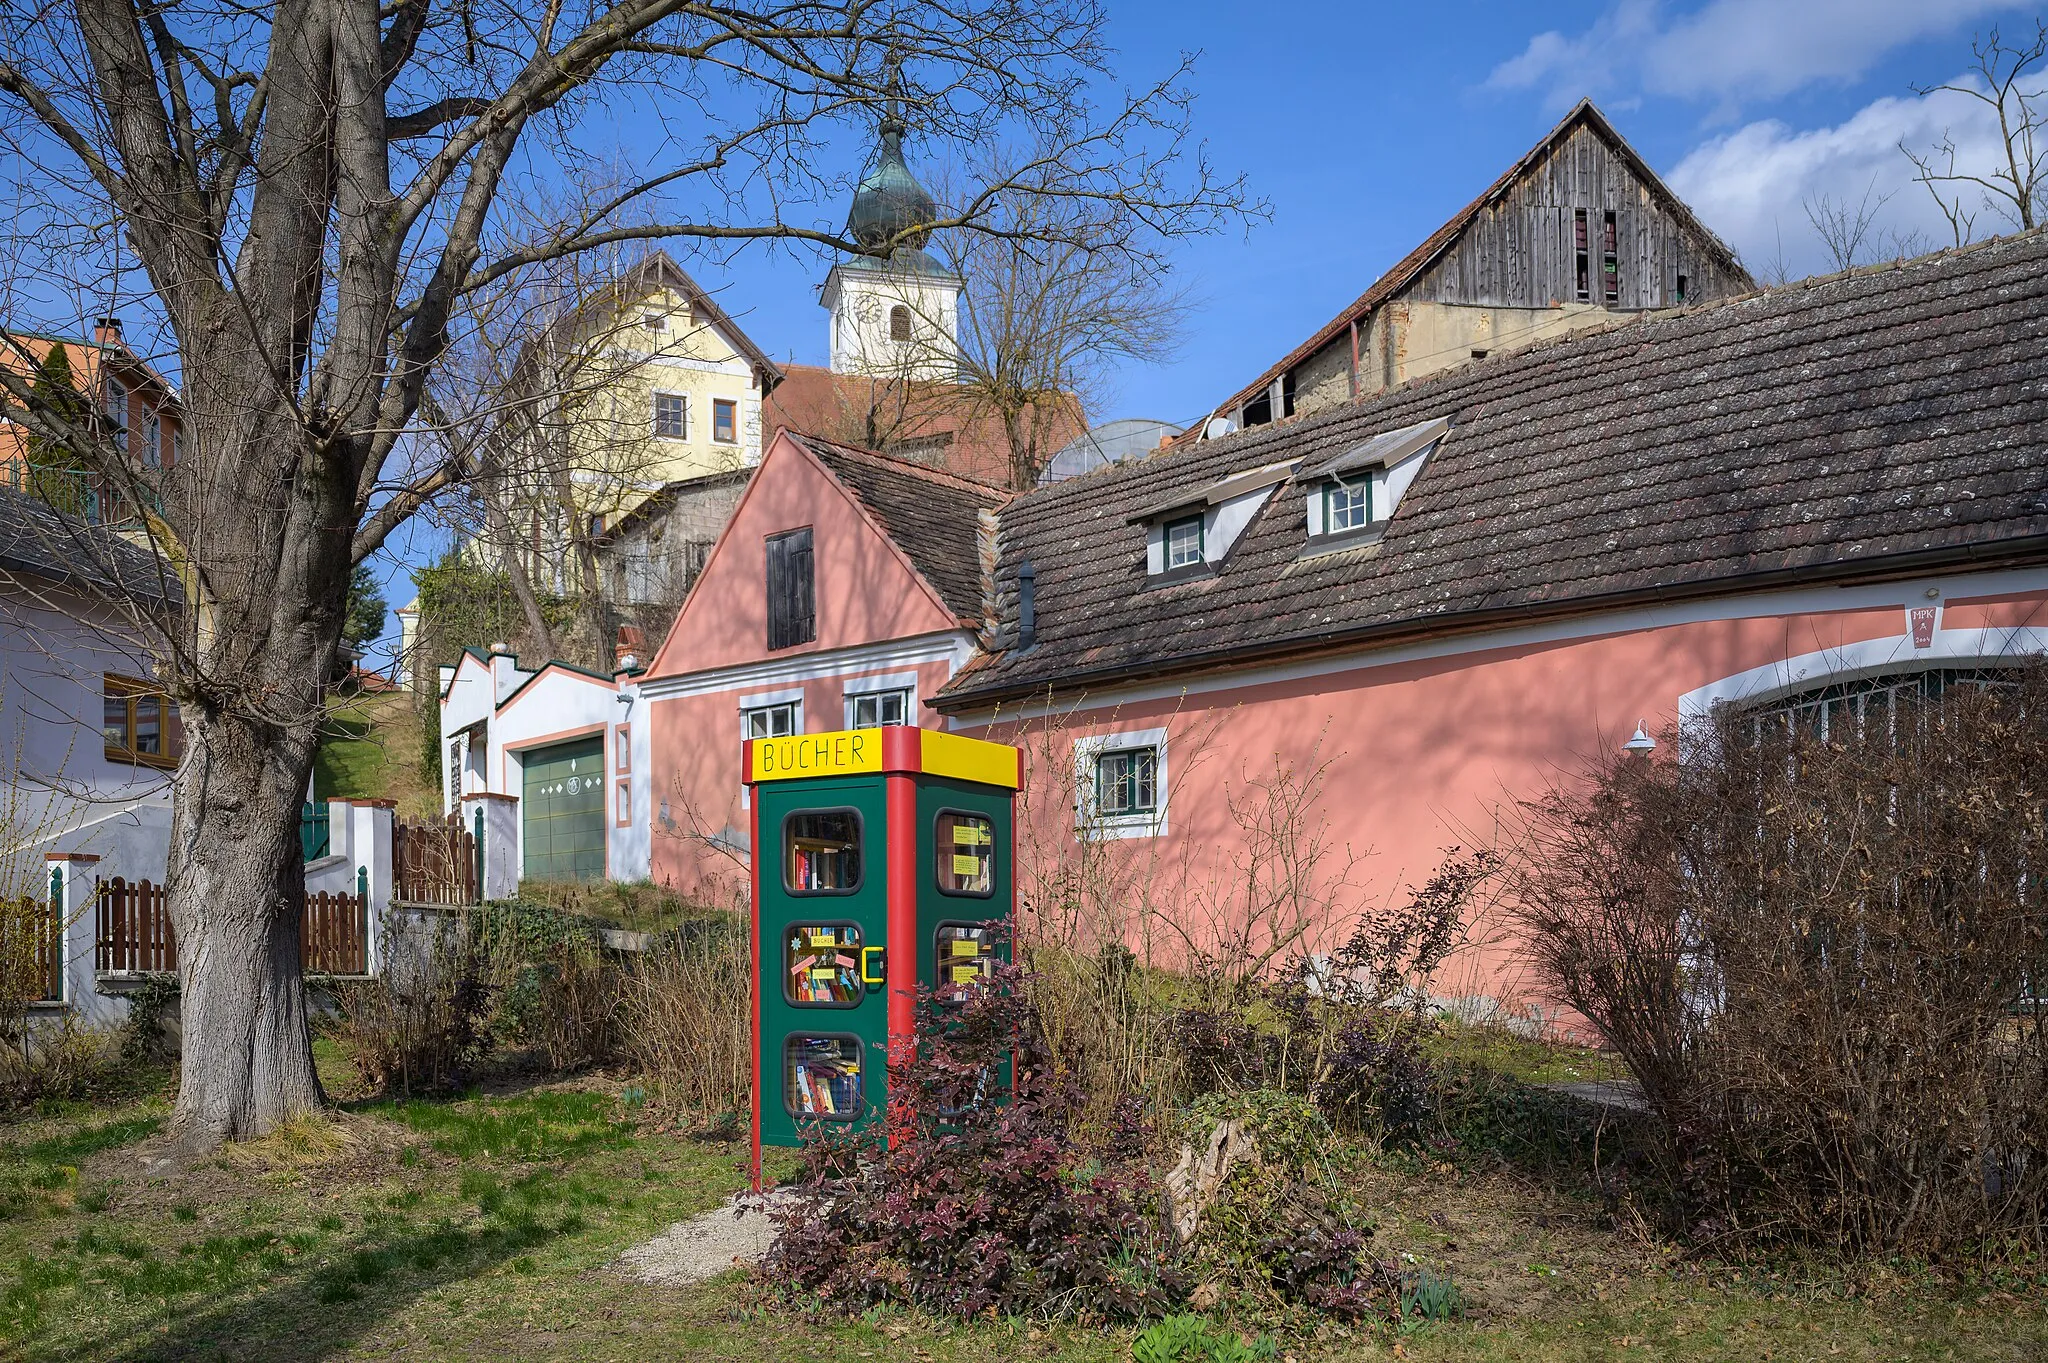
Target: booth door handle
(874,962)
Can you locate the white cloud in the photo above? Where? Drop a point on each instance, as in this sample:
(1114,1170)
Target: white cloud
(1728,50)
(1751,185)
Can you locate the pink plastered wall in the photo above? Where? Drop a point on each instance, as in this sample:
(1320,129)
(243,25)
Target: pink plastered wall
(1415,757)
(865,590)
(696,776)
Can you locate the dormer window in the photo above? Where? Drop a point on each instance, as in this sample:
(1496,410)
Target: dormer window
(1353,496)
(1192,533)
(1347,506)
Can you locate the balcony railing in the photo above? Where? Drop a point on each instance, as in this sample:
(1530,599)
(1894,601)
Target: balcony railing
(79,493)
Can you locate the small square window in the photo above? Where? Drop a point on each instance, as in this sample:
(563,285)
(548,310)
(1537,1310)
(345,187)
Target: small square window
(965,848)
(724,422)
(671,416)
(769,721)
(654,321)
(821,965)
(1127,782)
(1183,543)
(1347,506)
(880,708)
(821,852)
(821,1077)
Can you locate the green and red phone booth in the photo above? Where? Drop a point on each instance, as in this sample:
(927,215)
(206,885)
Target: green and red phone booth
(882,864)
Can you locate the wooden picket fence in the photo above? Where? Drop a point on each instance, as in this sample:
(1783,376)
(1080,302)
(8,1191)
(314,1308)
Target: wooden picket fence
(42,953)
(434,862)
(134,933)
(334,939)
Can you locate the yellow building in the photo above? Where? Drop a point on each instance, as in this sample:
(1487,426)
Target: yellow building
(673,388)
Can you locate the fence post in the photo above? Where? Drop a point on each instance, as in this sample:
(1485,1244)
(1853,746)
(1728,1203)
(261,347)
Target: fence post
(479,854)
(54,935)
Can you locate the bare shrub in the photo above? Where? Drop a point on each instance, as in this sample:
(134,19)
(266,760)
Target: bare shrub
(422,1024)
(1819,940)
(687,1029)
(555,991)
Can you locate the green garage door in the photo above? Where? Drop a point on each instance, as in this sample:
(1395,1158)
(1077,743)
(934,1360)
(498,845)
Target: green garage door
(562,811)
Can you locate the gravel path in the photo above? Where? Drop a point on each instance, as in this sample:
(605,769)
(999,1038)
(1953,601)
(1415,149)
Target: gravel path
(705,1246)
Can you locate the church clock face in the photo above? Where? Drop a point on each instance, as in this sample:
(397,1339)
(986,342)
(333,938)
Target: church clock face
(867,309)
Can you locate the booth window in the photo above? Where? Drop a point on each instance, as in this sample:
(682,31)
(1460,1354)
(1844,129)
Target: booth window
(964,845)
(821,852)
(964,956)
(821,1077)
(821,965)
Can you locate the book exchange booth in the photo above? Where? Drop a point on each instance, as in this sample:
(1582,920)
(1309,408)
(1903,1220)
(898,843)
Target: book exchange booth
(882,865)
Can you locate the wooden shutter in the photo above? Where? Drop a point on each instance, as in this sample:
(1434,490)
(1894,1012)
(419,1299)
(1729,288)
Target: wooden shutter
(792,602)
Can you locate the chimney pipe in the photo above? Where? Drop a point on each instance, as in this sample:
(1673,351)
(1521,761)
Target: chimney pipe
(1027,604)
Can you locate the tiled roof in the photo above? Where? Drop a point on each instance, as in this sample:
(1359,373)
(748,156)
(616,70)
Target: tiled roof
(1878,421)
(35,540)
(932,516)
(1406,269)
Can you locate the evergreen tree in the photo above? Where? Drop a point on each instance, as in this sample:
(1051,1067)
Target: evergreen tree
(57,392)
(366,609)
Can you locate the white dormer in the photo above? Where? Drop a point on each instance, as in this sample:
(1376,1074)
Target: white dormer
(1352,496)
(1190,533)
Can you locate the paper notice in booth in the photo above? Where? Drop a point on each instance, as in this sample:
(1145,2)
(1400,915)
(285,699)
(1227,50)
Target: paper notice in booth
(963,947)
(824,939)
(967,835)
(823,972)
(966,864)
(966,974)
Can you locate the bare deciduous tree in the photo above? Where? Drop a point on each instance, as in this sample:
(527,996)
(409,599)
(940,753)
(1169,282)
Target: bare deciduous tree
(312,191)
(2014,93)
(1851,234)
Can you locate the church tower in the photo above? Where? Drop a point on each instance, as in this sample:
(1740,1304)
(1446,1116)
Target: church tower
(899,316)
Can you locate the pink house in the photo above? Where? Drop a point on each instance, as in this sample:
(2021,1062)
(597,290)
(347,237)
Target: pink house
(1343,643)
(844,592)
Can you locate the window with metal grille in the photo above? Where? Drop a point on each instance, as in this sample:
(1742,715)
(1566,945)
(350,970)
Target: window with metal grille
(792,602)
(1127,782)
(1845,708)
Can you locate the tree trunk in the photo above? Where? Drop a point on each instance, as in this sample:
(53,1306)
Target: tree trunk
(237,890)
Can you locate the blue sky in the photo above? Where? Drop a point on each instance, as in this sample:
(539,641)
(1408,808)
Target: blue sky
(1366,126)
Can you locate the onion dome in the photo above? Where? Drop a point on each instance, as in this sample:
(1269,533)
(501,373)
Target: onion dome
(890,201)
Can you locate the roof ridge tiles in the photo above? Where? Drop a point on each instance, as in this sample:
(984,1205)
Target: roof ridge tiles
(898,463)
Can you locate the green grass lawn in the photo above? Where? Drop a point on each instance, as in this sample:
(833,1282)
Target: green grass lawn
(369,750)
(484,1228)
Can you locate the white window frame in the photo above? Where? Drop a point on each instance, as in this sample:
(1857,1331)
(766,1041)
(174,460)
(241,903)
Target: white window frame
(1354,496)
(153,441)
(750,706)
(682,401)
(1088,823)
(864,688)
(1166,529)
